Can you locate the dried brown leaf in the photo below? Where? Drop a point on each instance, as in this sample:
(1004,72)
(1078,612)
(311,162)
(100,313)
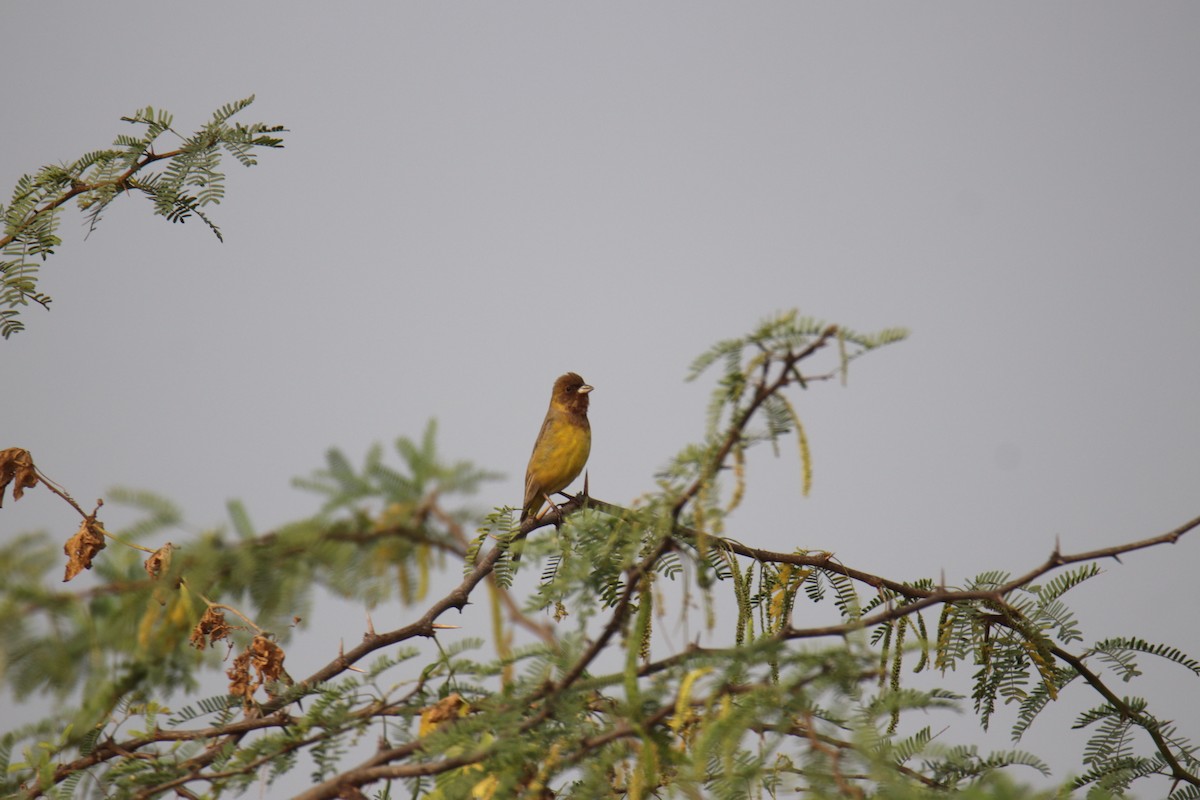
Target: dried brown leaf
(159,561)
(81,548)
(239,677)
(267,659)
(211,628)
(16,467)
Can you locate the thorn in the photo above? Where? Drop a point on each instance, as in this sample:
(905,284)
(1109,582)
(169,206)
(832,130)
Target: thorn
(370,625)
(441,626)
(586,495)
(342,656)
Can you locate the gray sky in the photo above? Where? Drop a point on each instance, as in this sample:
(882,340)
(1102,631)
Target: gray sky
(475,198)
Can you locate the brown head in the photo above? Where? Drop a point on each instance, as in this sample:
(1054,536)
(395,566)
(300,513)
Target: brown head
(571,394)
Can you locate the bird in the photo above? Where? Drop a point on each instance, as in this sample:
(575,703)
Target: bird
(562,446)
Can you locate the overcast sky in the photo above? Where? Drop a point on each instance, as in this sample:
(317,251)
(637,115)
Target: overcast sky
(475,198)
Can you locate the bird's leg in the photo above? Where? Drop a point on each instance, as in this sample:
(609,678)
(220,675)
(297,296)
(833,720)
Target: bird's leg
(554,506)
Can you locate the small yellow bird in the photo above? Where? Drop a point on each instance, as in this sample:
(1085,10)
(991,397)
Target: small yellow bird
(562,445)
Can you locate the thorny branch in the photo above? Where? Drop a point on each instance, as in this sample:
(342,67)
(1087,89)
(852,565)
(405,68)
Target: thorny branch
(396,762)
(382,765)
(121,182)
(764,389)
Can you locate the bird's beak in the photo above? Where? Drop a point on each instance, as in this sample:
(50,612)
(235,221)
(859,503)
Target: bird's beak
(584,389)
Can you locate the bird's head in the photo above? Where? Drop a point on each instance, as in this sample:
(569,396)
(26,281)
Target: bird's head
(571,393)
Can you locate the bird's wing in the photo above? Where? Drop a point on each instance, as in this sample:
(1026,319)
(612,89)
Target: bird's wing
(534,490)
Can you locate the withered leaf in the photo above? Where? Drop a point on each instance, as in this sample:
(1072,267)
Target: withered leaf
(267,659)
(159,561)
(211,628)
(16,467)
(239,677)
(81,548)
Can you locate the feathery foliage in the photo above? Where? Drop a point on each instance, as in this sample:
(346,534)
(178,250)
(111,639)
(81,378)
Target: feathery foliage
(593,703)
(567,685)
(180,181)
(590,705)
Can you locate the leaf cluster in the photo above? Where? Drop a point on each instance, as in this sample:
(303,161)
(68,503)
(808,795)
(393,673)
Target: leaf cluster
(180,180)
